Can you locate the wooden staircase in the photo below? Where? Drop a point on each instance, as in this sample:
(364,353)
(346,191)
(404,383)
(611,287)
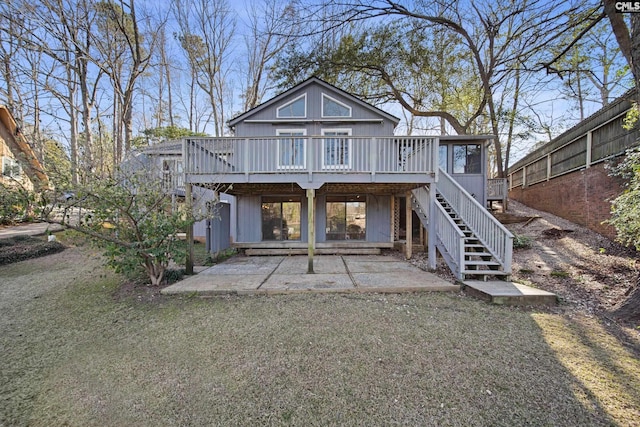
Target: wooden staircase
(479,263)
(473,243)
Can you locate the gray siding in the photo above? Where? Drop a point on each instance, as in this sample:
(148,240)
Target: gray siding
(249,219)
(475,184)
(314,116)
(378,218)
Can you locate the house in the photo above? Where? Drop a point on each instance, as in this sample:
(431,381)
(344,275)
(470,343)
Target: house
(317,170)
(568,176)
(20,166)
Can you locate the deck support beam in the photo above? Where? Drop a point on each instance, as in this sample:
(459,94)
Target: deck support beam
(311,228)
(409,226)
(189,205)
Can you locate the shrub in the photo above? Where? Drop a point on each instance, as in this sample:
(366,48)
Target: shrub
(521,242)
(16,204)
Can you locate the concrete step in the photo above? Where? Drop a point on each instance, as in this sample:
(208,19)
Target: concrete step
(508,293)
(318,251)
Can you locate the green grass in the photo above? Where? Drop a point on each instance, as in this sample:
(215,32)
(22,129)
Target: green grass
(74,355)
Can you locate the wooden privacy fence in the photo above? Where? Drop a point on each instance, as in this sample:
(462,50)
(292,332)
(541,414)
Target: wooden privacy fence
(596,139)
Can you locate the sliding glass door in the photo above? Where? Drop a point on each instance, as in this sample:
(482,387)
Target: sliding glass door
(346,218)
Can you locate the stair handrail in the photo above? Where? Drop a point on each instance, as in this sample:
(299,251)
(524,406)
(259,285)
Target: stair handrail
(451,239)
(421,196)
(491,233)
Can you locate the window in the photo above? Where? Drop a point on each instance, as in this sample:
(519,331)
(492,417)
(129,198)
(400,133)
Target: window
(346,218)
(467,158)
(281,218)
(442,157)
(291,151)
(336,149)
(11,168)
(334,108)
(296,108)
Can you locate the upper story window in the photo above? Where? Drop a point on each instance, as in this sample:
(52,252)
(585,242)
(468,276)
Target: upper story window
(11,168)
(467,158)
(296,108)
(333,108)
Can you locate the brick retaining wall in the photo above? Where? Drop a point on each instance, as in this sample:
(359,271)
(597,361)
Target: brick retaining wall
(583,197)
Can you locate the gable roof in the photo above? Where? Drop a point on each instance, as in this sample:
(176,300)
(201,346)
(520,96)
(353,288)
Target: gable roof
(21,149)
(308,82)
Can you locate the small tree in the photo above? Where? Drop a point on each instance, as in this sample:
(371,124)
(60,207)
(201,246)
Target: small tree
(16,203)
(134,218)
(625,217)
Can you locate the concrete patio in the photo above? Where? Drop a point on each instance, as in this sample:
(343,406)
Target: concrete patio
(288,274)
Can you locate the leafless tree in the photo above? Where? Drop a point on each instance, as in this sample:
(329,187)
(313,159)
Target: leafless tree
(270,31)
(125,52)
(206,34)
(497,35)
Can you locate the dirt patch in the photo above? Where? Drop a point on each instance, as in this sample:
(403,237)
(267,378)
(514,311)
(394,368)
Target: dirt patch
(555,233)
(589,272)
(132,290)
(20,248)
(509,218)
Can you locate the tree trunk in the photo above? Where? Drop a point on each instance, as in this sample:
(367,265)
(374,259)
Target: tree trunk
(155,271)
(629,309)
(635,52)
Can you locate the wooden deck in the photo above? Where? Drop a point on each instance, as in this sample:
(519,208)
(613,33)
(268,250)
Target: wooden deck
(311,161)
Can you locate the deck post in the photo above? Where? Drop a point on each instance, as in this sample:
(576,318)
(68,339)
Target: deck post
(311,227)
(409,226)
(189,261)
(431,234)
(393,219)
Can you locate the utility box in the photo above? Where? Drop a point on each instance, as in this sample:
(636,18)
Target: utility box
(219,229)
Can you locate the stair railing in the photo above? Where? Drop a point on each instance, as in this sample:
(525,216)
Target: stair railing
(450,241)
(491,233)
(421,199)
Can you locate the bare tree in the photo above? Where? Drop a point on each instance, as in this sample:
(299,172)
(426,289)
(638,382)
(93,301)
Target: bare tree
(55,46)
(206,33)
(270,31)
(124,55)
(496,35)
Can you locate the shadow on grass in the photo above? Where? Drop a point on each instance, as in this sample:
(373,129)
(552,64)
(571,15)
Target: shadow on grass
(76,356)
(606,370)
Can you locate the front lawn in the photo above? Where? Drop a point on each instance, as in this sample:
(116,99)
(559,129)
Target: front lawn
(75,352)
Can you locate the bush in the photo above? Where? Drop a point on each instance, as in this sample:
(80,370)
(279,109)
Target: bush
(521,242)
(16,204)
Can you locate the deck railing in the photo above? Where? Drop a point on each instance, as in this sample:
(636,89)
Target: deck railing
(493,235)
(310,154)
(497,189)
(450,241)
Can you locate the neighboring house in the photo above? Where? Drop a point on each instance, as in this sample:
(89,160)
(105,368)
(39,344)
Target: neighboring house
(318,170)
(163,161)
(20,166)
(568,175)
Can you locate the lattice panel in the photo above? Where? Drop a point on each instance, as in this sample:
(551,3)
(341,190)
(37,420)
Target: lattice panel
(396,217)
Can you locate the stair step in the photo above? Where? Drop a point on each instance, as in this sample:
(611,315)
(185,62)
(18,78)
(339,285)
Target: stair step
(482,263)
(467,247)
(485,273)
(480,254)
